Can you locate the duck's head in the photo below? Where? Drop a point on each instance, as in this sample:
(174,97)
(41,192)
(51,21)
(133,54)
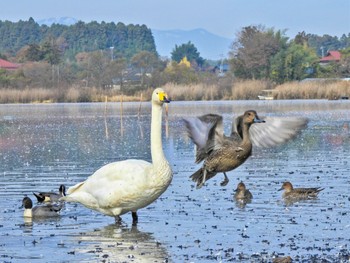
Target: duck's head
(240,187)
(250,117)
(287,186)
(159,96)
(27,203)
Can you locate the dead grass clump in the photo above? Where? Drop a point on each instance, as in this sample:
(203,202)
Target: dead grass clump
(26,96)
(239,90)
(192,92)
(313,90)
(249,89)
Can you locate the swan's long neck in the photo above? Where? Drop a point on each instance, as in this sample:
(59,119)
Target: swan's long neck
(156,136)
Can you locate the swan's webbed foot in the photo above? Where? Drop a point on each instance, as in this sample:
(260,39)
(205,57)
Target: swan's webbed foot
(135,218)
(225,181)
(118,220)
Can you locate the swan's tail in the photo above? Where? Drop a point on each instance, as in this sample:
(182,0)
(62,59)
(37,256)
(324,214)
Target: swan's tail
(201,176)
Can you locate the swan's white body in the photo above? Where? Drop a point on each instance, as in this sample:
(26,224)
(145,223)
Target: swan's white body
(126,186)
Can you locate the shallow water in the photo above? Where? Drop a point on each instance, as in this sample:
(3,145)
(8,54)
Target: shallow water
(43,146)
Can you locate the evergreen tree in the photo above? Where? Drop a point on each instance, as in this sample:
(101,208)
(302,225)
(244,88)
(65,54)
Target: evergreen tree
(189,51)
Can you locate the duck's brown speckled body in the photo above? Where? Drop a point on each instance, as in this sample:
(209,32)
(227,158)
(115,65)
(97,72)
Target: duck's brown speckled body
(299,193)
(242,193)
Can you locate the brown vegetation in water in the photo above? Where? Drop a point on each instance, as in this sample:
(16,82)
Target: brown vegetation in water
(238,90)
(313,90)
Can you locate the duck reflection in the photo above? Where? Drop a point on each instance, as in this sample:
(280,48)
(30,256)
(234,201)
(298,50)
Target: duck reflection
(119,243)
(28,223)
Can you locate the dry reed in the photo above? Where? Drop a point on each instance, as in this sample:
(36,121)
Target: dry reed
(240,90)
(313,90)
(249,89)
(42,95)
(192,92)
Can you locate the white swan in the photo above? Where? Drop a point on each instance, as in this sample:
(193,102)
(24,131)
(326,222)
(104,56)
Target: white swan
(121,187)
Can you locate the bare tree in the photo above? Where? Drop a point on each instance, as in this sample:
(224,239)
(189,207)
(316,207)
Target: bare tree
(252,50)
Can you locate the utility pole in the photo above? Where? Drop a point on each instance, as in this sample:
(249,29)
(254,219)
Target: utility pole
(322,50)
(112,53)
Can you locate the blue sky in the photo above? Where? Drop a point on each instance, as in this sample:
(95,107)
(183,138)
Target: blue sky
(221,17)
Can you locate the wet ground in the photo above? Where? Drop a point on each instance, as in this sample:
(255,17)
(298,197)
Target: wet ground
(43,146)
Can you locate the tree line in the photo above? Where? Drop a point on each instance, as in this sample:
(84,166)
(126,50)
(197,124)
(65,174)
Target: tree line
(124,57)
(265,53)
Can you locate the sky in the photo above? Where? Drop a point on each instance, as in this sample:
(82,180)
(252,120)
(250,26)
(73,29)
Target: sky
(221,17)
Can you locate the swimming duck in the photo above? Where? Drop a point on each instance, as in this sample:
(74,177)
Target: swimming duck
(299,193)
(242,193)
(50,196)
(126,186)
(222,153)
(39,211)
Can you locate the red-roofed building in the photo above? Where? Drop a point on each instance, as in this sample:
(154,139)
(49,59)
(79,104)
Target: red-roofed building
(8,65)
(332,56)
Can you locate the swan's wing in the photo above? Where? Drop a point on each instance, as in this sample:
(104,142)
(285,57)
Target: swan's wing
(111,185)
(204,132)
(276,130)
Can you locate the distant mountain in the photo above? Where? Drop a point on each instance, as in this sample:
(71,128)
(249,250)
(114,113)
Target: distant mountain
(210,46)
(62,21)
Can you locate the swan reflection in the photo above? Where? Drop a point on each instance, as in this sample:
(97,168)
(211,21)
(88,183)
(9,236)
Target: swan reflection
(122,244)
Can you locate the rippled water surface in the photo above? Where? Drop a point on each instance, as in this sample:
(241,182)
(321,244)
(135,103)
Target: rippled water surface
(43,146)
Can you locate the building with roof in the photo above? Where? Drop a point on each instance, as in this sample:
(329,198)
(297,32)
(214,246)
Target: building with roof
(331,56)
(4,64)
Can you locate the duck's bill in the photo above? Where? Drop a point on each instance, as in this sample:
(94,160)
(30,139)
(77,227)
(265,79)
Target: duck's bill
(256,120)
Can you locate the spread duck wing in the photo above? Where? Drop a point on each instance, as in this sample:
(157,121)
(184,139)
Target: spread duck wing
(276,130)
(204,131)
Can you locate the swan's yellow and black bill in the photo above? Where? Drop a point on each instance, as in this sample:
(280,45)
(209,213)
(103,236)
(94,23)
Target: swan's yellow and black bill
(163,97)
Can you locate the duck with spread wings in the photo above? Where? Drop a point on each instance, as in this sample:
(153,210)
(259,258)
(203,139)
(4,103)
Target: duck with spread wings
(222,153)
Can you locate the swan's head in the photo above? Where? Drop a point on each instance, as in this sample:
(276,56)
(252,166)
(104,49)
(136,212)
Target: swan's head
(159,96)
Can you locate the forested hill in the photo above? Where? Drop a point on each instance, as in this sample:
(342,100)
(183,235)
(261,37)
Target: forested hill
(80,37)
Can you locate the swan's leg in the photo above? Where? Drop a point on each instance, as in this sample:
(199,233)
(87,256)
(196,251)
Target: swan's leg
(203,179)
(225,181)
(118,219)
(134,218)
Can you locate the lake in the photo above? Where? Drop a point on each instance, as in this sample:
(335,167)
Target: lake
(45,145)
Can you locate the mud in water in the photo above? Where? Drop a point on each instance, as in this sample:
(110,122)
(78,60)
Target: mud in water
(43,146)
